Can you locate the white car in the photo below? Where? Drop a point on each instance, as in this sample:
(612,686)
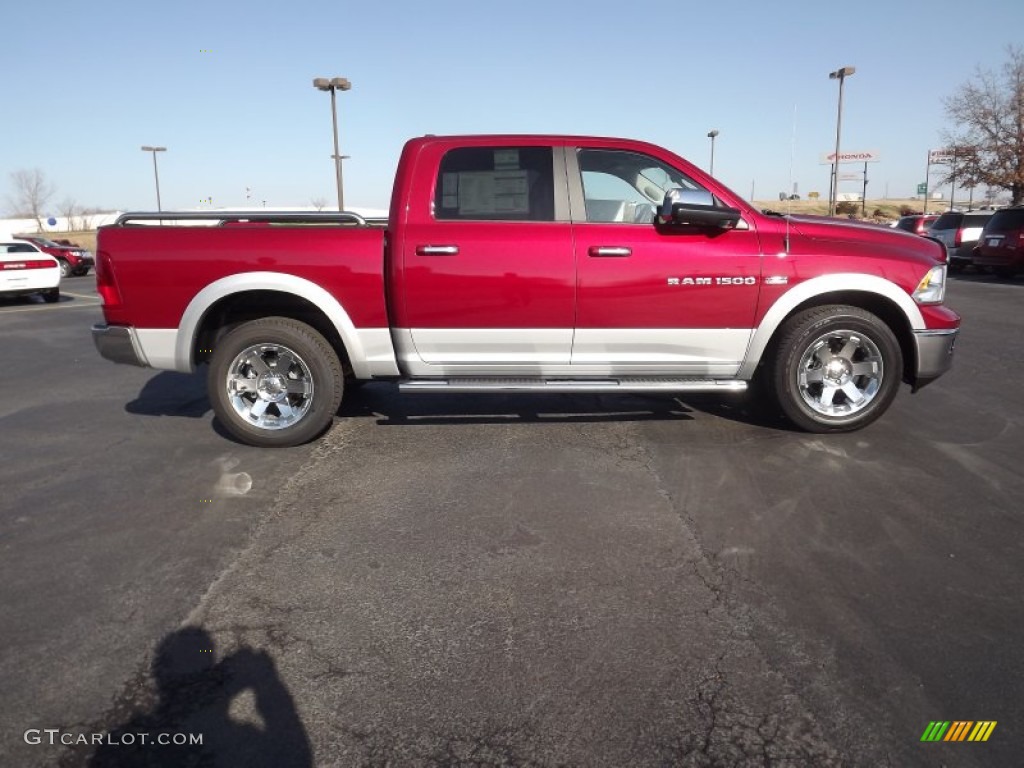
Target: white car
(25,269)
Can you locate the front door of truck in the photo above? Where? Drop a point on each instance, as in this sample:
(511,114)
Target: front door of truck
(652,299)
(488,273)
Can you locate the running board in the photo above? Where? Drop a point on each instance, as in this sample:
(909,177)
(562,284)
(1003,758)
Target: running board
(464,385)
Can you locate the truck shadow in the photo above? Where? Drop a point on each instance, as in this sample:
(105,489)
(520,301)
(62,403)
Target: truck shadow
(184,395)
(390,408)
(173,394)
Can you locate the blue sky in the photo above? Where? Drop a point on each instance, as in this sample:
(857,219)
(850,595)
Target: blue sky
(92,82)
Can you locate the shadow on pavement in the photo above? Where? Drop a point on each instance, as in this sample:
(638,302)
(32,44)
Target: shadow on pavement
(390,408)
(173,394)
(199,695)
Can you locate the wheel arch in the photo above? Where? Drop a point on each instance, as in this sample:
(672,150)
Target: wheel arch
(226,303)
(872,294)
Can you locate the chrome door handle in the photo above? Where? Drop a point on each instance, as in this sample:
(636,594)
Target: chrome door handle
(437,250)
(608,250)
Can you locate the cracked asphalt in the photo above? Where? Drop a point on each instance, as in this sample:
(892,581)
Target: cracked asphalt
(545,581)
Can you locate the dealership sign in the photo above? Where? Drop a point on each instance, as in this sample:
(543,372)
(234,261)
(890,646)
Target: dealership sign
(867,156)
(940,156)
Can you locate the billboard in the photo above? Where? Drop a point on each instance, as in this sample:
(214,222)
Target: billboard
(863,156)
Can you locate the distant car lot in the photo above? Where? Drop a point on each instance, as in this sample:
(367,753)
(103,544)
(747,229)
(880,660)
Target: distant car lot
(74,261)
(575,580)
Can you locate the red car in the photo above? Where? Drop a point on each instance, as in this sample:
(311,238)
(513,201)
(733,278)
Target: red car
(73,261)
(1001,244)
(528,264)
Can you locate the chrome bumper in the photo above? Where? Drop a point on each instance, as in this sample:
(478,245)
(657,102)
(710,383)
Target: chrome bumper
(118,344)
(934,354)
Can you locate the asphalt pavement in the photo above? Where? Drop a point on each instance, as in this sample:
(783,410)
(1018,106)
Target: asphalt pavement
(475,580)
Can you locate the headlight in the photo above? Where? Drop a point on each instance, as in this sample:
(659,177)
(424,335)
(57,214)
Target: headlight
(932,288)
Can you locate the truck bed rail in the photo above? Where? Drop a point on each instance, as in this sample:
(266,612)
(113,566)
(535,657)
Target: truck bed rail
(268,217)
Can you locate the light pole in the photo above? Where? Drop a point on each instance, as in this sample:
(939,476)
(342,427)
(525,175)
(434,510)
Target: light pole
(840,75)
(156,175)
(711,135)
(335,84)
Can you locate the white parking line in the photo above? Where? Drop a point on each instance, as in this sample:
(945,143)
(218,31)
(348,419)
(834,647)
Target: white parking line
(89,302)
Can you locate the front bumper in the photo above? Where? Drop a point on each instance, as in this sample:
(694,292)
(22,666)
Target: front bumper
(119,344)
(934,354)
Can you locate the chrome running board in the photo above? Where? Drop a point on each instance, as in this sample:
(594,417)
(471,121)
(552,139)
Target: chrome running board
(464,385)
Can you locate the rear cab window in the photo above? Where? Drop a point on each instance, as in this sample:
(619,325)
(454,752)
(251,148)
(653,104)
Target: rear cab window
(496,184)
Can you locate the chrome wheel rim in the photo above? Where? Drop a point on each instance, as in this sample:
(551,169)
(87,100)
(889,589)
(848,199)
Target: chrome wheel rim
(840,373)
(269,386)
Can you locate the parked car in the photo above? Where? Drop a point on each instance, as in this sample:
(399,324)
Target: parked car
(73,261)
(959,232)
(25,269)
(528,264)
(1001,246)
(918,223)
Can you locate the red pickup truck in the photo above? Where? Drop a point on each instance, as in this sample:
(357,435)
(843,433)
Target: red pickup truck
(528,264)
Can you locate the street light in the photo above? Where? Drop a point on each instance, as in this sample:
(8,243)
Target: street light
(840,75)
(335,84)
(711,135)
(156,175)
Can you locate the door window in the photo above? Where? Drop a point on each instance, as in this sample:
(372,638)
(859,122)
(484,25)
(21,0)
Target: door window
(626,187)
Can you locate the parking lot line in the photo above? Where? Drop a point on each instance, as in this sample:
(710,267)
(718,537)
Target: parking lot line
(84,301)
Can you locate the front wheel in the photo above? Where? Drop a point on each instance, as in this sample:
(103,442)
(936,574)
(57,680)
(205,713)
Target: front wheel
(275,382)
(65,268)
(838,369)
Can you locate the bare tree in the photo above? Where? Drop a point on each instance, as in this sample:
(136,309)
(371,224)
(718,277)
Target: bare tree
(988,113)
(32,191)
(69,210)
(318,202)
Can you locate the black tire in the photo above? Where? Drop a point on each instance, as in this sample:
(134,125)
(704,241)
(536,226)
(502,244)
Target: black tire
(51,296)
(292,400)
(956,266)
(65,268)
(829,356)
(1005,273)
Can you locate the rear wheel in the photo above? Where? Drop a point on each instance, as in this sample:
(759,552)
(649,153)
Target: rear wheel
(51,296)
(275,382)
(838,369)
(1005,273)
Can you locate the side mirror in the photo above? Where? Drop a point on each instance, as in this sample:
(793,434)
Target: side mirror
(695,208)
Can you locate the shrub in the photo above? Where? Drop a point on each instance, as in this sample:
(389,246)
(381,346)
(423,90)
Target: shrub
(846,207)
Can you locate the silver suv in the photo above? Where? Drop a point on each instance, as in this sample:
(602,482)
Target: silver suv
(959,231)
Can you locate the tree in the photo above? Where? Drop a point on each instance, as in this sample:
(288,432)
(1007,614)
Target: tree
(32,191)
(69,210)
(988,113)
(318,202)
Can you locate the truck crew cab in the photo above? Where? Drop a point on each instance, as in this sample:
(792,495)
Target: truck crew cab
(524,264)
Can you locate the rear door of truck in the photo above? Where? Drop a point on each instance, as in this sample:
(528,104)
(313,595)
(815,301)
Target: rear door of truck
(488,267)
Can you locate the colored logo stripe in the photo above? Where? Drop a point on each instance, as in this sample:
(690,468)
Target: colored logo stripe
(958,730)
(982,731)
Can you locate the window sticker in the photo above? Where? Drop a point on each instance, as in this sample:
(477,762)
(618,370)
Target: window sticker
(491,192)
(506,159)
